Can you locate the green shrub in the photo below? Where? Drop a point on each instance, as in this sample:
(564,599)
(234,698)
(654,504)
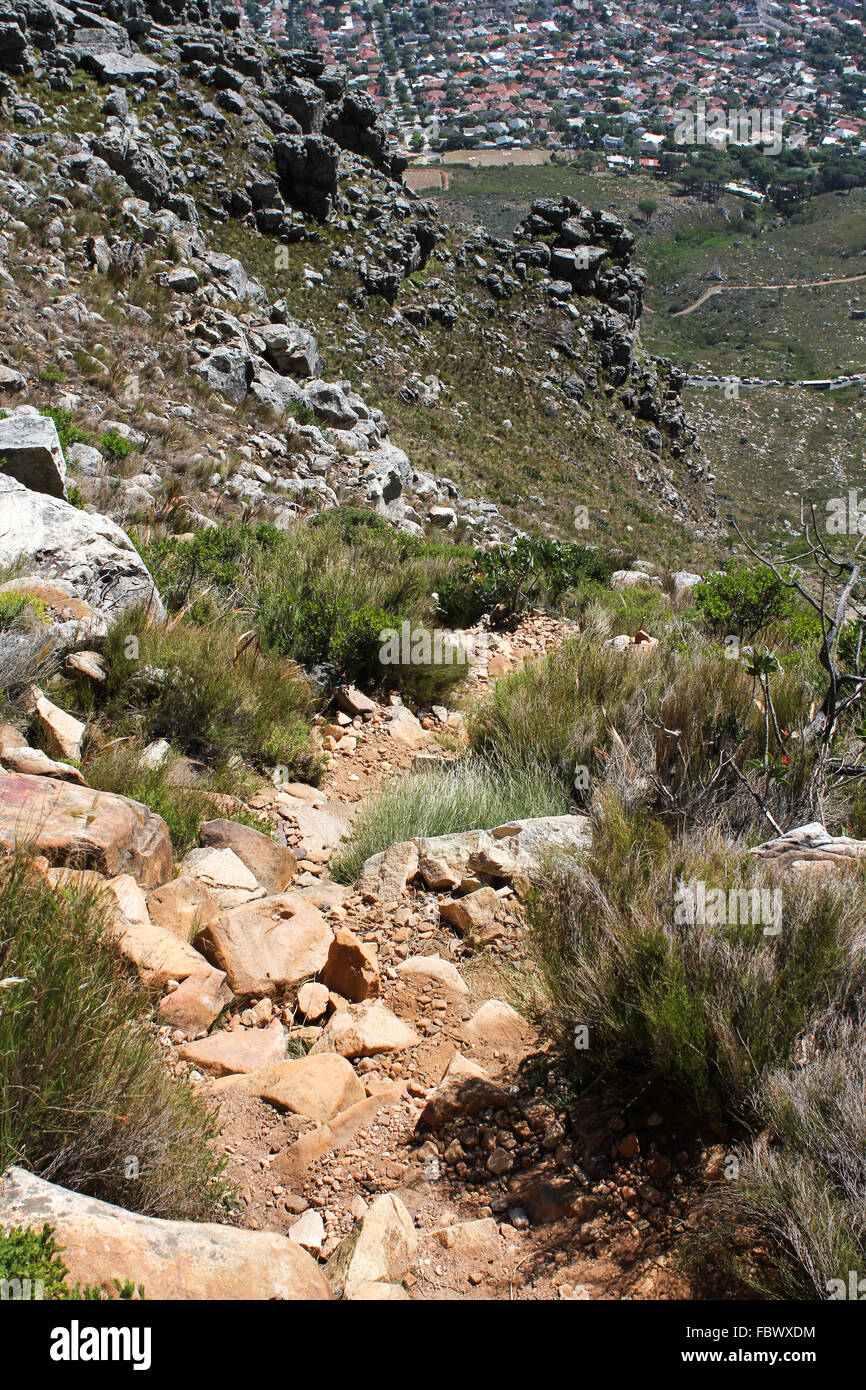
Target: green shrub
(16,607)
(303,412)
(471,793)
(334,588)
(83,1086)
(67,430)
(221,559)
(114,445)
(743,601)
(506,579)
(678,726)
(51,373)
(708,1008)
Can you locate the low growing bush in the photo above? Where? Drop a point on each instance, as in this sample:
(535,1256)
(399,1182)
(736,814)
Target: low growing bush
(707,1007)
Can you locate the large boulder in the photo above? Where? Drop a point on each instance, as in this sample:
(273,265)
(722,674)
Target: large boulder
(120,67)
(269,945)
(308,167)
(85,829)
(291,349)
(513,852)
(223,874)
(158,955)
(365,1030)
(810,844)
(143,169)
(89,552)
(102,1243)
(31,452)
(228,371)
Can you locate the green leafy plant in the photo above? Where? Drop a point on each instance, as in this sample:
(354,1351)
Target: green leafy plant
(115,445)
(743,601)
(506,579)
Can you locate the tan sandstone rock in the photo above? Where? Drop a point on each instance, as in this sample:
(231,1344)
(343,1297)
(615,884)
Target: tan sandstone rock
(225,876)
(102,1243)
(465,1089)
(351,968)
(196,1002)
(85,829)
(318,1087)
(272,865)
(380,1250)
(183,906)
(237,1050)
(266,946)
(365,1030)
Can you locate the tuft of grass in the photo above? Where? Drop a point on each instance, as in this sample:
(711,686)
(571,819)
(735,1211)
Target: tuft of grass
(82,1083)
(121,768)
(471,793)
(210,694)
(708,1008)
(800,1194)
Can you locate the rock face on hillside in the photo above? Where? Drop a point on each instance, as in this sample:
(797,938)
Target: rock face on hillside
(274,145)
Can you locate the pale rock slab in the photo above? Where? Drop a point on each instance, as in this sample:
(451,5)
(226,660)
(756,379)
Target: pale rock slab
(379,1251)
(365,1030)
(170,1259)
(440,971)
(224,875)
(237,1050)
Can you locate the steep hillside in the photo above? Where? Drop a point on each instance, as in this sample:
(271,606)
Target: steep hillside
(804,318)
(215,203)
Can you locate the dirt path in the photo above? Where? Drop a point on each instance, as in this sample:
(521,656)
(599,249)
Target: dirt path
(539,1196)
(724,289)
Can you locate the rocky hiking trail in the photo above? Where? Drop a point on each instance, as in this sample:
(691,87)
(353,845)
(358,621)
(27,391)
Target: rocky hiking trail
(393,1127)
(427,1115)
